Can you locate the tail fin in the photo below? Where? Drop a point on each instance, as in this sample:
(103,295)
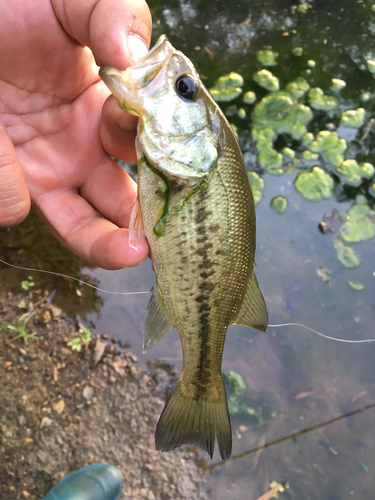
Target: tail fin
(195,420)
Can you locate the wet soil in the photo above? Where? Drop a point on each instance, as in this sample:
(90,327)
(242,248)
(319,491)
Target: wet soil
(61,410)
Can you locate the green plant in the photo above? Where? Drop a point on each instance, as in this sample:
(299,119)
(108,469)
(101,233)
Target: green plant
(47,478)
(80,338)
(28,283)
(20,328)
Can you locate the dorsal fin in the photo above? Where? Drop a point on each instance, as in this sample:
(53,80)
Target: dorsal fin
(253,312)
(157,323)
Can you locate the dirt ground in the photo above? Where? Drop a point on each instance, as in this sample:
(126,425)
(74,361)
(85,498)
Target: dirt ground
(62,409)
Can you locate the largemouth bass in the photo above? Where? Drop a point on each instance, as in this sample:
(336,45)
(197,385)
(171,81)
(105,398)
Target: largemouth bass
(196,209)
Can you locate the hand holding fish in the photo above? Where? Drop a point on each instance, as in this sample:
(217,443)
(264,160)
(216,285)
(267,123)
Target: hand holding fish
(58,128)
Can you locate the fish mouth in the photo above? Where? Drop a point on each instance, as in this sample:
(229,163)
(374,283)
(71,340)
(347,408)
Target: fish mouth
(125,85)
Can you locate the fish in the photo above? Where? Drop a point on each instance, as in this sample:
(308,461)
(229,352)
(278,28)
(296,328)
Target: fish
(196,209)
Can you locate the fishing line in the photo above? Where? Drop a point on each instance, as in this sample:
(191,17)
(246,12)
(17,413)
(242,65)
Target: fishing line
(322,334)
(72,278)
(139,293)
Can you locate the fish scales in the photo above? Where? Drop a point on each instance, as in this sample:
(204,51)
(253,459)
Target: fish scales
(196,209)
(208,262)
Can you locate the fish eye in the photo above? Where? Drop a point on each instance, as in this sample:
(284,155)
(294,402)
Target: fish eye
(186,87)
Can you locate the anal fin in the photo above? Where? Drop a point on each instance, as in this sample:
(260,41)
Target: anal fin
(157,323)
(253,312)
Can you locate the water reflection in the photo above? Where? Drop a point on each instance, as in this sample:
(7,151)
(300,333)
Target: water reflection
(211,467)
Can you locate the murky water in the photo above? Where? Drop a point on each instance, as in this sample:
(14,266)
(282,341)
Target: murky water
(295,378)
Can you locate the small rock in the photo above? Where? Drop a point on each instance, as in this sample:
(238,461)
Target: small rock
(111,380)
(104,336)
(133,358)
(45,317)
(98,352)
(88,392)
(46,422)
(56,311)
(43,456)
(323,227)
(65,351)
(59,406)
(25,494)
(134,370)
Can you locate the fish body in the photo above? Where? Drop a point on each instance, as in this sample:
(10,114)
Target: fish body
(196,209)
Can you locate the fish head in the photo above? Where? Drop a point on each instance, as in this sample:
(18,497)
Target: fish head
(179,123)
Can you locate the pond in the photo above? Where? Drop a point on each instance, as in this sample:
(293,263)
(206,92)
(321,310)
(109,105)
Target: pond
(313,399)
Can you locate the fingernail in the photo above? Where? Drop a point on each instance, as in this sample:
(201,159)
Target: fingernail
(136,48)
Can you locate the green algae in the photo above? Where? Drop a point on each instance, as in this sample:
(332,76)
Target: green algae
(311,63)
(356,285)
(297,88)
(279,204)
(336,154)
(271,160)
(267,57)
(353,118)
(371,190)
(359,222)
(263,136)
(314,185)
(307,138)
(353,173)
(249,97)
(294,123)
(271,108)
(365,96)
(303,8)
(308,155)
(337,84)
(278,112)
(257,186)
(324,274)
(236,389)
(320,101)
(331,145)
(227,87)
(371,65)
(288,153)
(241,113)
(297,51)
(267,80)
(324,140)
(225,95)
(345,253)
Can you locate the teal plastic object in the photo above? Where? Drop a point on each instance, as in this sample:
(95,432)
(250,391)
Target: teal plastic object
(94,482)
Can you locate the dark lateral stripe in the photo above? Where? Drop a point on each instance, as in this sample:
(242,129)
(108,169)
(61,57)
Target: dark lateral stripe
(202,375)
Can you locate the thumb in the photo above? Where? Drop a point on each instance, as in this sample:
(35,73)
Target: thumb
(14,196)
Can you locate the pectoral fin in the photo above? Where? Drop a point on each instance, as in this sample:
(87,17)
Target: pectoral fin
(253,312)
(157,323)
(136,230)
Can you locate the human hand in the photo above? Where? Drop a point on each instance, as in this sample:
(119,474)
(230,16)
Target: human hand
(55,146)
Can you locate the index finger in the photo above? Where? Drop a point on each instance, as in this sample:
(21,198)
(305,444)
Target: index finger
(117,31)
